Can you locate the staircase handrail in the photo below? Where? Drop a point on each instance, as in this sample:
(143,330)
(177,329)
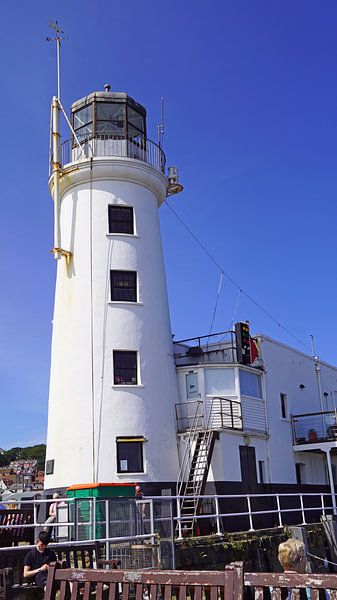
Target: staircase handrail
(207,433)
(186,461)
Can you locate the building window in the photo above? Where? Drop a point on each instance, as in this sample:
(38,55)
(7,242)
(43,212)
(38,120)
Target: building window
(123,285)
(192,386)
(125,367)
(300,473)
(262,473)
(120,219)
(130,454)
(250,384)
(283,401)
(50,467)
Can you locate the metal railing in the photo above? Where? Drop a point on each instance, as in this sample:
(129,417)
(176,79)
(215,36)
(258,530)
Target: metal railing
(216,347)
(226,512)
(105,144)
(318,427)
(226,414)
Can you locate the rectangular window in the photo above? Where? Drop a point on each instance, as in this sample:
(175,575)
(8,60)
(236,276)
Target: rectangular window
(283,400)
(220,381)
(50,467)
(300,473)
(130,454)
(123,286)
(125,367)
(250,384)
(192,386)
(120,219)
(262,474)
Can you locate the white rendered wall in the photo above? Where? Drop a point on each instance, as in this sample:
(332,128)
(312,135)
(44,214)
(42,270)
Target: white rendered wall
(86,411)
(287,369)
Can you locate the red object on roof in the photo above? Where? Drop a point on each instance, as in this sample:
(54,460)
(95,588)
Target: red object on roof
(254,351)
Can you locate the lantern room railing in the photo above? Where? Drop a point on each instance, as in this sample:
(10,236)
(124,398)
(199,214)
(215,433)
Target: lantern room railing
(106,144)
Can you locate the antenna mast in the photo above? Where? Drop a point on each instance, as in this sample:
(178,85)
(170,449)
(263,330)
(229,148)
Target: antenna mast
(161,126)
(58,37)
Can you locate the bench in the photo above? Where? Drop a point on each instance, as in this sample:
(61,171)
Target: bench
(230,584)
(13,535)
(83,584)
(12,581)
(258,585)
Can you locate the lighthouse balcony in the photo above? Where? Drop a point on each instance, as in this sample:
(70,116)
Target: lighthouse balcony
(316,430)
(109,144)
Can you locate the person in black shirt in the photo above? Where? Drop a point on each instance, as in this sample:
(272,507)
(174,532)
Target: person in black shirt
(38,559)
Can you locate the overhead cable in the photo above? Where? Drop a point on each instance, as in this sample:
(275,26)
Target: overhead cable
(235,284)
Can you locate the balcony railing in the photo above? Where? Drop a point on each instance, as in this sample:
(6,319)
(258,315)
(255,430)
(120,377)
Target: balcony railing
(214,348)
(226,414)
(109,144)
(311,428)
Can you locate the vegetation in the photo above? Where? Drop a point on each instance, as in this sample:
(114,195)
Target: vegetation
(37,452)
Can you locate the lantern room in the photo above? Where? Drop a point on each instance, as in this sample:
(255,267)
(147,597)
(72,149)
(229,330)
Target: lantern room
(111,114)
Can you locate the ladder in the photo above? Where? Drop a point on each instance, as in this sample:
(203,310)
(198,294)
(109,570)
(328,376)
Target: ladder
(194,469)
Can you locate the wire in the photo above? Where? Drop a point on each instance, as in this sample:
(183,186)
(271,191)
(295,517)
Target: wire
(324,560)
(235,284)
(216,304)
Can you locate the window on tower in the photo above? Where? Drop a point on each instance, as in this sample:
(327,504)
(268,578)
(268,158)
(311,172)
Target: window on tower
(125,367)
(130,454)
(123,286)
(120,219)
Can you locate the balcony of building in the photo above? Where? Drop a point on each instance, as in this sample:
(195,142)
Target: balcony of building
(316,430)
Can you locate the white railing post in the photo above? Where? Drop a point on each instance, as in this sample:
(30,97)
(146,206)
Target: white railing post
(251,528)
(107,526)
(179,519)
(302,510)
(323,505)
(152,521)
(93,537)
(279,511)
(218,526)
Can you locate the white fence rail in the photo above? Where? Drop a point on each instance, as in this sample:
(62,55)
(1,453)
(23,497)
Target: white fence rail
(235,512)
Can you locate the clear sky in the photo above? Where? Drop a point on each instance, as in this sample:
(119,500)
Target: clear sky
(250,93)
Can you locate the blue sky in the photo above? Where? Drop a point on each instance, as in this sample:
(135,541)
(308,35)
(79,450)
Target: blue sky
(251,122)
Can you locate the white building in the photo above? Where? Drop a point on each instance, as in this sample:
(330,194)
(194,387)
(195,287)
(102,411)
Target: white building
(126,404)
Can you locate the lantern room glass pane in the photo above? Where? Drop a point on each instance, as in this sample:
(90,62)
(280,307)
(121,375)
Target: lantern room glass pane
(110,117)
(83,117)
(135,120)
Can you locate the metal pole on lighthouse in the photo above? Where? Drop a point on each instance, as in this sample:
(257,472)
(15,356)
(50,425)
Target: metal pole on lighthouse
(56,149)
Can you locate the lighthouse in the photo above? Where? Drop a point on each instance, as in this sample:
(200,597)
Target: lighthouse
(113,382)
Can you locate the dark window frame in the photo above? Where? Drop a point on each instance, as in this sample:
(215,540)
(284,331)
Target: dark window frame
(127,373)
(123,286)
(50,466)
(123,452)
(121,225)
(284,405)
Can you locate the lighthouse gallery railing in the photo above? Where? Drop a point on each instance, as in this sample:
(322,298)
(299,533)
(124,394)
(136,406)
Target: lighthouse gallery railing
(106,144)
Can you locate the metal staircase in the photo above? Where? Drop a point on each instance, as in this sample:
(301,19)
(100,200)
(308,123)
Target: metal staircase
(194,468)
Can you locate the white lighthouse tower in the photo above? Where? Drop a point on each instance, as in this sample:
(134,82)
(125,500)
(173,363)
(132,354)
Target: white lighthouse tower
(113,381)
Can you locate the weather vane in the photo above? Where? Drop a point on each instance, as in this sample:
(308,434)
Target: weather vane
(58,37)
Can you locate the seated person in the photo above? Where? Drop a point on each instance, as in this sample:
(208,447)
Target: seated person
(37,560)
(292,557)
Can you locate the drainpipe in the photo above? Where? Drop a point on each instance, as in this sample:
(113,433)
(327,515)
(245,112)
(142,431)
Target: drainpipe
(331,481)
